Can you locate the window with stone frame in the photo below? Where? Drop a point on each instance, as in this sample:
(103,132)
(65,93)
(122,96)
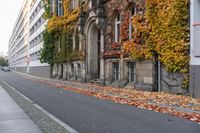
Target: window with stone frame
(116,71)
(60,9)
(132,12)
(117,27)
(131,71)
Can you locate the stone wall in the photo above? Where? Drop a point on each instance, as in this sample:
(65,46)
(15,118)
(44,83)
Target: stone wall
(109,71)
(40,71)
(66,72)
(171,82)
(144,71)
(112,8)
(144,75)
(21,69)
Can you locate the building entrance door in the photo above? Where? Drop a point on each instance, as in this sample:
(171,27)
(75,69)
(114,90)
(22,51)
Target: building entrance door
(93,51)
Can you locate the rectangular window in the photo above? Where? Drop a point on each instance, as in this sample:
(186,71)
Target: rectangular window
(118,33)
(131,71)
(132,12)
(60,8)
(116,71)
(117,27)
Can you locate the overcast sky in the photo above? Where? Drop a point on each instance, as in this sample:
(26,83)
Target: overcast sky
(8,12)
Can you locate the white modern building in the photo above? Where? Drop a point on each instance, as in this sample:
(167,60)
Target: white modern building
(26,40)
(195,48)
(36,27)
(18,43)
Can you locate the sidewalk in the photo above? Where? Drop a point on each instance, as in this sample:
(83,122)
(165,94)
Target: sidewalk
(12,118)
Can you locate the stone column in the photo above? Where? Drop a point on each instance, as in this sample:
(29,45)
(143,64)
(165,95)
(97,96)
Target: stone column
(81,39)
(73,44)
(102,61)
(59,71)
(121,68)
(68,70)
(76,70)
(55,70)
(64,71)
(83,71)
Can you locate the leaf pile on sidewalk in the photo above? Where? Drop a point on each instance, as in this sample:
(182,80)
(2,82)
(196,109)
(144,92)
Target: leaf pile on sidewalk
(176,105)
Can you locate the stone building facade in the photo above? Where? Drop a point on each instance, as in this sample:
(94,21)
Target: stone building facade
(19,40)
(98,36)
(100,39)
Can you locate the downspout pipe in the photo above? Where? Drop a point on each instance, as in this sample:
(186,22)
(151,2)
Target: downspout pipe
(156,74)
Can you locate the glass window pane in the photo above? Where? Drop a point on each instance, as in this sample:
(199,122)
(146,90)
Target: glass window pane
(131,71)
(118,32)
(116,71)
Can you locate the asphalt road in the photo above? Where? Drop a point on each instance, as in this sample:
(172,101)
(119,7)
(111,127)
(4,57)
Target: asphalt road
(91,115)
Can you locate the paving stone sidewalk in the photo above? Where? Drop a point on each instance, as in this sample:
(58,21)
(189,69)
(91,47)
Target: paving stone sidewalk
(12,118)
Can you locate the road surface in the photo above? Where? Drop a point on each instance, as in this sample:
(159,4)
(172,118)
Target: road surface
(88,114)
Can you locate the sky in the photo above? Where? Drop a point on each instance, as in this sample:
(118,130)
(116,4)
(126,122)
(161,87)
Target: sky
(9,10)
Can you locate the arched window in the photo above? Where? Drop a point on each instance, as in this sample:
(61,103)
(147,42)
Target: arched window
(132,12)
(117,27)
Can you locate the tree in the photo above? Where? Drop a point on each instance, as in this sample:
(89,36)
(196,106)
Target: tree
(3,62)
(47,52)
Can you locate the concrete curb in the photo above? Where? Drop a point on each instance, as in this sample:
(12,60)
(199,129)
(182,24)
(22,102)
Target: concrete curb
(65,126)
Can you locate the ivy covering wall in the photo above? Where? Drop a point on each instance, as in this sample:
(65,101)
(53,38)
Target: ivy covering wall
(58,37)
(162,28)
